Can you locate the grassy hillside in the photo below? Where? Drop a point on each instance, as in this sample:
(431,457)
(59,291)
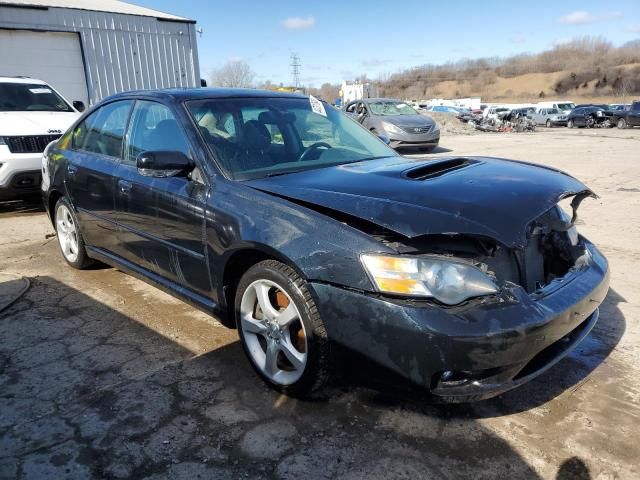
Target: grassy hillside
(583,70)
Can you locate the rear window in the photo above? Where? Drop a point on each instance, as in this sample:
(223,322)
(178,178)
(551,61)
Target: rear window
(24,97)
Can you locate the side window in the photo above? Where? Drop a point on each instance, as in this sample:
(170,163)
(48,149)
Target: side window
(102,131)
(153,127)
(635,107)
(351,108)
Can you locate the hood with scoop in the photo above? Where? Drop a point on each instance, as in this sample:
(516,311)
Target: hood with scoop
(469,195)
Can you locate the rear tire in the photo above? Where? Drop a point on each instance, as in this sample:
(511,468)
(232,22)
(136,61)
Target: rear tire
(570,124)
(69,237)
(622,123)
(281,331)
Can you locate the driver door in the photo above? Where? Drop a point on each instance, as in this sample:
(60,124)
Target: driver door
(161,219)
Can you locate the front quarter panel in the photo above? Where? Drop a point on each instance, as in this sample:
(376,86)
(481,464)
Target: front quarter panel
(320,248)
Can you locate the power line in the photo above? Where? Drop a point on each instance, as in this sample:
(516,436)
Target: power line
(295,69)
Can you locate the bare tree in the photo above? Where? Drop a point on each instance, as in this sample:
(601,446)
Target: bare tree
(234,74)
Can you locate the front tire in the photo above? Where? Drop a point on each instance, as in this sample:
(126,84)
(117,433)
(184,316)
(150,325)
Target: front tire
(549,124)
(570,124)
(69,237)
(622,123)
(281,330)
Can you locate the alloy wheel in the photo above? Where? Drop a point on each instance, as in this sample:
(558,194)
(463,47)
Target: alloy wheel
(67,231)
(273,332)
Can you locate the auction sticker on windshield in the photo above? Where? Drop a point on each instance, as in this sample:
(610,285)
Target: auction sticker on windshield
(316,106)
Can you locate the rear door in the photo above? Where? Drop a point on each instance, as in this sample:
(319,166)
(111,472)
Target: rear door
(92,161)
(161,219)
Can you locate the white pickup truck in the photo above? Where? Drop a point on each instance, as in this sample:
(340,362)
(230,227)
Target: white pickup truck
(32,114)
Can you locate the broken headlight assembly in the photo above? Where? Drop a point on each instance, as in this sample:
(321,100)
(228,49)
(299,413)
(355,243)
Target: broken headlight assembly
(447,281)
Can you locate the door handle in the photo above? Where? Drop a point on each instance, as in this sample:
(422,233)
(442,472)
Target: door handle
(124,186)
(72,170)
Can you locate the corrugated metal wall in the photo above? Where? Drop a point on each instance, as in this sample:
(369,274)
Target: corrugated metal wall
(121,52)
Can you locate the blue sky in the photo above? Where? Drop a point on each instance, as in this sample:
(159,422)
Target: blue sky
(337,40)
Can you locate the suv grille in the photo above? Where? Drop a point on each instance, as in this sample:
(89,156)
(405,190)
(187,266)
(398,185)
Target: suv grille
(30,143)
(417,130)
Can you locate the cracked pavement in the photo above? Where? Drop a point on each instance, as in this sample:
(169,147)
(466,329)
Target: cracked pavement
(103,376)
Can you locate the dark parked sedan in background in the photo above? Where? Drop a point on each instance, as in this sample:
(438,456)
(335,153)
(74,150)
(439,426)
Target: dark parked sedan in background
(399,122)
(286,219)
(589,116)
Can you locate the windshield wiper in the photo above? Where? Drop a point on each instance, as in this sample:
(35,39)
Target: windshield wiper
(316,167)
(277,174)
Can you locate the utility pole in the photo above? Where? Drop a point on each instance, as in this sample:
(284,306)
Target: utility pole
(295,69)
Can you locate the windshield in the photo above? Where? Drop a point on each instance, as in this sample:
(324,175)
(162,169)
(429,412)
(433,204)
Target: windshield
(566,106)
(259,137)
(391,108)
(17,97)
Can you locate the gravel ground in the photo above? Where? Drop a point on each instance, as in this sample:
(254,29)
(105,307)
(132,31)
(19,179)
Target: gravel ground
(102,376)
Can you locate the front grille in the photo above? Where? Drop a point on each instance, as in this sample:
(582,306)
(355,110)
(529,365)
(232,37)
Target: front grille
(29,143)
(417,130)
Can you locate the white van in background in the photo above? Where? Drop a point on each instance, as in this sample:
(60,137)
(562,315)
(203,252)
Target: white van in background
(565,106)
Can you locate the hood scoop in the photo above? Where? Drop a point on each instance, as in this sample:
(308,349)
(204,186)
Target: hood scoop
(438,168)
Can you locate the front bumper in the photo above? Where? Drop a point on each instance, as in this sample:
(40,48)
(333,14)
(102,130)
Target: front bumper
(473,351)
(20,173)
(409,140)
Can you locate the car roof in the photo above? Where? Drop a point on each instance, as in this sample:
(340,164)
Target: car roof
(22,80)
(183,94)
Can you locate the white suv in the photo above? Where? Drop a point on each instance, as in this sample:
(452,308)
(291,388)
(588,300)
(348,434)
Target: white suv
(32,114)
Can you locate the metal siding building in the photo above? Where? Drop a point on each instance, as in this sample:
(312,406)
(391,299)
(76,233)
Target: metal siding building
(89,49)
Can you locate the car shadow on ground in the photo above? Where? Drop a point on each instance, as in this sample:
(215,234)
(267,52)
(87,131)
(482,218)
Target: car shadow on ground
(86,391)
(23,205)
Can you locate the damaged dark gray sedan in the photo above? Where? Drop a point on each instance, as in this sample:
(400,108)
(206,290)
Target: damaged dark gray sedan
(289,221)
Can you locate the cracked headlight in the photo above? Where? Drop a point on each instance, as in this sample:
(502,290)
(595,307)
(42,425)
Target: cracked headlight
(447,281)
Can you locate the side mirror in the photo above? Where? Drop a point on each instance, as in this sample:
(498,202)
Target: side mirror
(385,139)
(78,105)
(162,164)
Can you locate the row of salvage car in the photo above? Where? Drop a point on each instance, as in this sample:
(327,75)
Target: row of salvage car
(549,114)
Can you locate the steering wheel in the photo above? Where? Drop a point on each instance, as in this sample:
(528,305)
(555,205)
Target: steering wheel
(313,147)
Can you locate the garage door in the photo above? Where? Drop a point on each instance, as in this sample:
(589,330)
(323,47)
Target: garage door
(53,57)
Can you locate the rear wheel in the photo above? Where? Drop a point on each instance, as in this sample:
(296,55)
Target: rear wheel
(570,124)
(622,123)
(69,237)
(281,329)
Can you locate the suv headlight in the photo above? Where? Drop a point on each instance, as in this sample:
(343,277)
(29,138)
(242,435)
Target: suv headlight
(448,281)
(391,128)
